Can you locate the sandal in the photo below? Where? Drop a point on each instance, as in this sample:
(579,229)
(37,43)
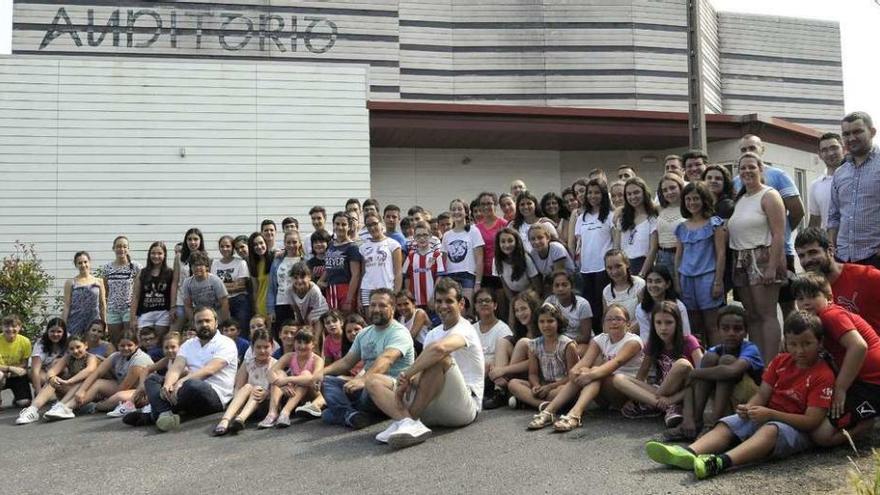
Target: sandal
(567,423)
(541,420)
(221,429)
(267,422)
(236,426)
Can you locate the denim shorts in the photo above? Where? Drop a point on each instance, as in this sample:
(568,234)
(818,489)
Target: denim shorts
(117,317)
(789,440)
(467,280)
(696,292)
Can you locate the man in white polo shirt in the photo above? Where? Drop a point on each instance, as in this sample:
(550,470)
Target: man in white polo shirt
(444,386)
(210,362)
(819,199)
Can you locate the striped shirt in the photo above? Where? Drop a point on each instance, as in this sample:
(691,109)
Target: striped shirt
(855,201)
(421,270)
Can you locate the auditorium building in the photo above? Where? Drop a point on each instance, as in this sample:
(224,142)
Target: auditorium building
(145,118)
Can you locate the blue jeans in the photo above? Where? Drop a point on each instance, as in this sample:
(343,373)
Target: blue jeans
(196,397)
(240,311)
(341,406)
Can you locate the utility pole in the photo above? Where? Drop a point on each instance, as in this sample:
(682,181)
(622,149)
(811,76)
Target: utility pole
(696,104)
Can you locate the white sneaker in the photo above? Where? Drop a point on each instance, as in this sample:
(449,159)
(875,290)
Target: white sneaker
(410,433)
(59,411)
(122,409)
(511,403)
(382,437)
(308,410)
(27,416)
(147,409)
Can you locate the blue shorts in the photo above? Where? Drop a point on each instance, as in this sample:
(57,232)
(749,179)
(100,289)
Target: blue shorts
(467,280)
(696,292)
(789,440)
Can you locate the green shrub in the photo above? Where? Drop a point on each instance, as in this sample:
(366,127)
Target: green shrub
(862,483)
(24,286)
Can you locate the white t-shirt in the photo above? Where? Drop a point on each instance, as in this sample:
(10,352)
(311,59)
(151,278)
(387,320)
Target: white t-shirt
(459,248)
(596,240)
(523,282)
(469,358)
(628,298)
(230,272)
(378,263)
(219,347)
(644,319)
(490,338)
(820,197)
(283,278)
(636,242)
(611,349)
(555,252)
(574,314)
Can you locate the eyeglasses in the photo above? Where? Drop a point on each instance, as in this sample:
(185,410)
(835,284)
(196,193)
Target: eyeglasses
(371,224)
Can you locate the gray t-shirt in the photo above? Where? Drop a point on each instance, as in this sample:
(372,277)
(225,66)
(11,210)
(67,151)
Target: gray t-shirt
(311,306)
(120,365)
(206,292)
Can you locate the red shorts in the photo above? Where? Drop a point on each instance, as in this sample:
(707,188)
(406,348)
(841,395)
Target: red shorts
(336,295)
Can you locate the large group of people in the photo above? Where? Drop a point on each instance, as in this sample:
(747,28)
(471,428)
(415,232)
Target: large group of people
(605,294)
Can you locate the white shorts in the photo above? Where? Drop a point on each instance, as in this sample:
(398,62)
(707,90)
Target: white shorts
(161,318)
(455,404)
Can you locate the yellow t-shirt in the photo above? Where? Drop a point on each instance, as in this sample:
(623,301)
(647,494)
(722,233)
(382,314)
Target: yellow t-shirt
(15,353)
(261,291)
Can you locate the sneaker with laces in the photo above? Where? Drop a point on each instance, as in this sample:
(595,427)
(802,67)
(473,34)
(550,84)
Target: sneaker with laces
(307,411)
(58,412)
(383,436)
(637,410)
(496,400)
(412,432)
(27,416)
(670,455)
(122,409)
(706,466)
(673,416)
(168,421)
(147,409)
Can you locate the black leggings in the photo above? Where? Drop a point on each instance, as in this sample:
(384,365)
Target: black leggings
(594,283)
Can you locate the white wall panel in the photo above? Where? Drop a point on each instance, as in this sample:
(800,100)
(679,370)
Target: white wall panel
(150,148)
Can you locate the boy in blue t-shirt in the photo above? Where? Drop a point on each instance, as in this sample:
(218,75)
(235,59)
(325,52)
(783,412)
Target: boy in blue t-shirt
(230,329)
(729,374)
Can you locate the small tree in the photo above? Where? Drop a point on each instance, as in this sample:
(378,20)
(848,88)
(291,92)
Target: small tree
(24,284)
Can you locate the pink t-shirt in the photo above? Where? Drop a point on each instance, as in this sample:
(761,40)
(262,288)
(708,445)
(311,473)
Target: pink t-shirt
(489,234)
(332,349)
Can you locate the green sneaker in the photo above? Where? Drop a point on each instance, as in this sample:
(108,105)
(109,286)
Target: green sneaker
(670,455)
(706,466)
(168,421)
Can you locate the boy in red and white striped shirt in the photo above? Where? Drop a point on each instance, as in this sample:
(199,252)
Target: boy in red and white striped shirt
(422,266)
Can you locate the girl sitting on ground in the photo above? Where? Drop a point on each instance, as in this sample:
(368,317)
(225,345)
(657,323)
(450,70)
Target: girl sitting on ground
(659,287)
(672,355)
(615,351)
(331,349)
(50,346)
(512,352)
(251,386)
(625,288)
(296,382)
(550,357)
(95,342)
(63,379)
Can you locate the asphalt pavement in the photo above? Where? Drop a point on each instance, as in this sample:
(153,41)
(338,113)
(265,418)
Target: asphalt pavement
(495,455)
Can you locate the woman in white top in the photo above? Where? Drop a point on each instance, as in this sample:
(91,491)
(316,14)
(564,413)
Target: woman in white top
(636,234)
(669,195)
(593,238)
(757,237)
(515,268)
(235,276)
(462,248)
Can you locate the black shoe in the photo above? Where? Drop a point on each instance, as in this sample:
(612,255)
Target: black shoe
(138,419)
(496,400)
(359,420)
